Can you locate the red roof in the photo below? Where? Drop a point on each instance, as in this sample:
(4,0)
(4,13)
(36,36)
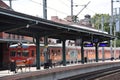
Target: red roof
(4,5)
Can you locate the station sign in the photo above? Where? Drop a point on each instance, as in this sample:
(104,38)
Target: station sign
(88,45)
(103,44)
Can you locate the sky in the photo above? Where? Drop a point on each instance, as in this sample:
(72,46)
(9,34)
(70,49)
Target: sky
(61,8)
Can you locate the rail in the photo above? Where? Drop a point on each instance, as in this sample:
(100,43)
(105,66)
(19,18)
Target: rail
(94,75)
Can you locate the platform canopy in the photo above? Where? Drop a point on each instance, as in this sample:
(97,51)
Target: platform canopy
(26,25)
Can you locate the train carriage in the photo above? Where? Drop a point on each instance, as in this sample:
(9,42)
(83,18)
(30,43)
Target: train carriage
(27,52)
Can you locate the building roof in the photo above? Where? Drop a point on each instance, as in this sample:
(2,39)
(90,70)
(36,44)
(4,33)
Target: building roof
(22,24)
(4,5)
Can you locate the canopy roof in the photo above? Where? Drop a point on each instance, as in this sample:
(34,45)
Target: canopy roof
(22,24)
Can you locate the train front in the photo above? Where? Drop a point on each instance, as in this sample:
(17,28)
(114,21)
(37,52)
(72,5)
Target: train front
(22,54)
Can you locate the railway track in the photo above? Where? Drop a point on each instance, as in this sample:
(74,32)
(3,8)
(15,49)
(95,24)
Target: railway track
(96,75)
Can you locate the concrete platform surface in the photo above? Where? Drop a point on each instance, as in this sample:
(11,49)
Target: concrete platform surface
(7,75)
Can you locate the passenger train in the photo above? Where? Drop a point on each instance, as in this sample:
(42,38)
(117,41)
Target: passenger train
(27,52)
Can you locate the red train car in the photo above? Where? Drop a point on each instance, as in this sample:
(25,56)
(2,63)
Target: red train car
(27,52)
(22,53)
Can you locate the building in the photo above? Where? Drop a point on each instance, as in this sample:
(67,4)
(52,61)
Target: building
(68,20)
(3,5)
(7,39)
(12,37)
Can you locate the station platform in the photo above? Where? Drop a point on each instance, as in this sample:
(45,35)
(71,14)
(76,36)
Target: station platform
(57,72)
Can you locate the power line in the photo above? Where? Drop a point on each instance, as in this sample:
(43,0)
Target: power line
(90,10)
(64,3)
(73,2)
(50,7)
(83,8)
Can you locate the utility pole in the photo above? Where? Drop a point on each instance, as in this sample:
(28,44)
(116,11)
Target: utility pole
(45,9)
(72,9)
(119,19)
(111,24)
(112,54)
(102,28)
(10,3)
(74,18)
(116,19)
(46,56)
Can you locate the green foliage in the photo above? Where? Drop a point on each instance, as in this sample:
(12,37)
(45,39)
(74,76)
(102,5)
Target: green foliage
(118,35)
(96,20)
(117,43)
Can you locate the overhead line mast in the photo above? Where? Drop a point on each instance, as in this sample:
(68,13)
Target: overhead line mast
(74,17)
(10,3)
(83,8)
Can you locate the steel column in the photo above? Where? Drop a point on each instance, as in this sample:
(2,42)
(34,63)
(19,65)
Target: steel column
(96,50)
(64,52)
(46,55)
(37,52)
(82,52)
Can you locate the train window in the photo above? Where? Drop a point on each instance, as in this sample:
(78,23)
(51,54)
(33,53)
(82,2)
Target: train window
(12,53)
(25,53)
(18,54)
(58,50)
(52,51)
(32,53)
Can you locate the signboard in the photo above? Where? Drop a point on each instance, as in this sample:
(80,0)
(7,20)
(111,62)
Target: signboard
(117,26)
(88,45)
(103,44)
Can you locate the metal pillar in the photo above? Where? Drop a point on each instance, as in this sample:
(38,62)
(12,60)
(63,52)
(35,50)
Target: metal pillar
(115,34)
(37,52)
(64,52)
(10,2)
(96,50)
(82,52)
(46,55)
(119,19)
(102,28)
(111,24)
(103,54)
(45,9)
(72,9)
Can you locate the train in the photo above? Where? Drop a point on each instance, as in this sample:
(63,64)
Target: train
(27,52)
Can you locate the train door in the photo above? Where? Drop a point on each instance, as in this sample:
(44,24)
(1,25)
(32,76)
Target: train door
(1,55)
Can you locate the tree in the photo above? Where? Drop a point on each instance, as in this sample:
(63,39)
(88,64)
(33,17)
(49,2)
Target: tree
(96,20)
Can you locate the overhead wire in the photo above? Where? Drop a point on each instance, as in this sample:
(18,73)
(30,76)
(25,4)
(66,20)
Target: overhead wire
(76,5)
(50,8)
(59,10)
(64,3)
(90,10)
(81,5)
